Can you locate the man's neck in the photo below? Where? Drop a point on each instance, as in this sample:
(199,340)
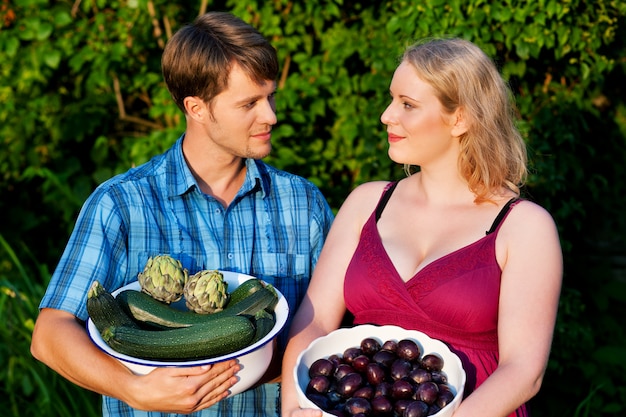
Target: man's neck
(220,176)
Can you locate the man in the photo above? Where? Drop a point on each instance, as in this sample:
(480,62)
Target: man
(208,201)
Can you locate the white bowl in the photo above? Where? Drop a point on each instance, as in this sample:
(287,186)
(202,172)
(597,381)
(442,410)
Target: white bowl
(254,359)
(339,340)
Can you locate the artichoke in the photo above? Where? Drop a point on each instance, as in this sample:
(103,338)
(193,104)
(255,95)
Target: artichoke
(163,278)
(206,292)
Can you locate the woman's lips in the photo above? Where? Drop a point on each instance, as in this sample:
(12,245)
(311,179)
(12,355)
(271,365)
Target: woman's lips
(393,138)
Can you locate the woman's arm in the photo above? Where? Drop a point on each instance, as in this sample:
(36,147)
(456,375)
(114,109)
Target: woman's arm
(529,252)
(323,306)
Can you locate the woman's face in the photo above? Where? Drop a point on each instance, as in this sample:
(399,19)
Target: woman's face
(418,129)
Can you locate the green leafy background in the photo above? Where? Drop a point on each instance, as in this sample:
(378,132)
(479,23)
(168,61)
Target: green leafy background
(82,98)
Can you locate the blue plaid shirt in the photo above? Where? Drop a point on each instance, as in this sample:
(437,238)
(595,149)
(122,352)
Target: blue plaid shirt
(274,230)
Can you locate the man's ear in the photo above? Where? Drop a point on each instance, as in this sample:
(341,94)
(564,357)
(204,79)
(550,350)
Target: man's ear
(461,123)
(195,108)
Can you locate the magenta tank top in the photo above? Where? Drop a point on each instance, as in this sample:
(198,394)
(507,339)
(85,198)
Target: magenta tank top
(453,299)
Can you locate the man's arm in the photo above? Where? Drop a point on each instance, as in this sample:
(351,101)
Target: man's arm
(61,342)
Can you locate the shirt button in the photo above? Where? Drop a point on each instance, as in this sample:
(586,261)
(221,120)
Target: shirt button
(230,256)
(218,211)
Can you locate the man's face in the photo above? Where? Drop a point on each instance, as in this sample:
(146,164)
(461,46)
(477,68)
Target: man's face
(243,116)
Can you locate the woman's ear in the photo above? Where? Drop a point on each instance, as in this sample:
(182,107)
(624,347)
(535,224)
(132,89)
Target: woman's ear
(461,123)
(195,108)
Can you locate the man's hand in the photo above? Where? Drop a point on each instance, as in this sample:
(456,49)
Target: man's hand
(61,342)
(183,390)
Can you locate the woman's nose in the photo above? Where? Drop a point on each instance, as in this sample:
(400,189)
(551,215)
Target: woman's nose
(386,117)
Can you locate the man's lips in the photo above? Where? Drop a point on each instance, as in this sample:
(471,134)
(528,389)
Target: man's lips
(263,135)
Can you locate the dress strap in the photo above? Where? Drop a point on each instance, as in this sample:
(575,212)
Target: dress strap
(501,215)
(385,198)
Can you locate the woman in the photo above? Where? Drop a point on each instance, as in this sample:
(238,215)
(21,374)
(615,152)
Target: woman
(450,250)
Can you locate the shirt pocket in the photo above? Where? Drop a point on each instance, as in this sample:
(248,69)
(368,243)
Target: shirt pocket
(284,265)
(289,273)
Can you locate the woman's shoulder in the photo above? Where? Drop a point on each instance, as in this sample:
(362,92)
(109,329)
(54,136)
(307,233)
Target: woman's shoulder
(527,208)
(369,191)
(362,201)
(528,218)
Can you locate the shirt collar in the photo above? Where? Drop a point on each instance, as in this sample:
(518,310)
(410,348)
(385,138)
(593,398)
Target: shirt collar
(182,180)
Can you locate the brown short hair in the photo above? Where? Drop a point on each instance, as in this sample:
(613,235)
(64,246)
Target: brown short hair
(198,58)
(493,152)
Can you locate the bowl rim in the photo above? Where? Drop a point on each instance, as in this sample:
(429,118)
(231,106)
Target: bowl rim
(281,313)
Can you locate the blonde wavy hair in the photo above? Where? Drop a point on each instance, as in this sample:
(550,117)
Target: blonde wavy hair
(493,153)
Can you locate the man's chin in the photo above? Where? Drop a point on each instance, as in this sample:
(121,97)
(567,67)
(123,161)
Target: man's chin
(260,153)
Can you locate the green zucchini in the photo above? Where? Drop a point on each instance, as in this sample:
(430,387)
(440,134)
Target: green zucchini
(154,313)
(264,322)
(264,298)
(150,312)
(245,289)
(217,337)
(104,310)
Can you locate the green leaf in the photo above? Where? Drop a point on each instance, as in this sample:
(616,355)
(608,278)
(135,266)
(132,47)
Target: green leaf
(585,70)
(43,31)
(11,46)
(522,49)
(62,18)
(52,59)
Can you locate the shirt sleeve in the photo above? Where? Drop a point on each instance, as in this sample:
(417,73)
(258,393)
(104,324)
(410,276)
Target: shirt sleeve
(321,221)
(95,251)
